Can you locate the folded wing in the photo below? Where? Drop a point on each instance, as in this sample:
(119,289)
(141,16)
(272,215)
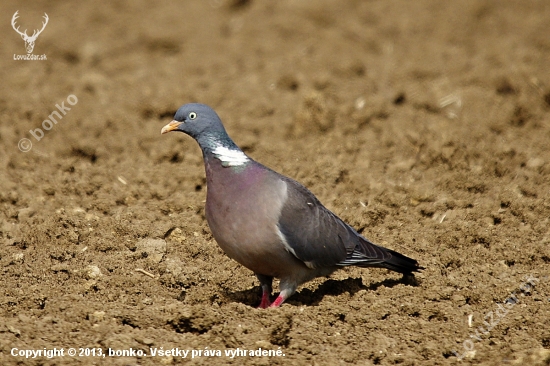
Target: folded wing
(319,238)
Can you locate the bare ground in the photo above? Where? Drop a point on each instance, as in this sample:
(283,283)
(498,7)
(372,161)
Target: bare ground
(423,124)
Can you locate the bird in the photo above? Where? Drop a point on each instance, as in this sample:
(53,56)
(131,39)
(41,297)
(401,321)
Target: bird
(270,223)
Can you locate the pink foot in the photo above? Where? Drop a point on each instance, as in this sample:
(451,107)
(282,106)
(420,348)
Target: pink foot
(265,303)
(278,301)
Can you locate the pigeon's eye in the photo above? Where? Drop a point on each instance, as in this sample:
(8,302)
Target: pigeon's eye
(192,115)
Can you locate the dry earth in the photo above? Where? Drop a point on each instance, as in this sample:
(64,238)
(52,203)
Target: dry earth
(423,124)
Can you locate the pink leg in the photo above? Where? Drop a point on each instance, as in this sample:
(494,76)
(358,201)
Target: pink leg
(278,301)
(287,289)
(265,300)
(265,282)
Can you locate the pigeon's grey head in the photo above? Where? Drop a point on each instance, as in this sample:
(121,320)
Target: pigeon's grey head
(198,121)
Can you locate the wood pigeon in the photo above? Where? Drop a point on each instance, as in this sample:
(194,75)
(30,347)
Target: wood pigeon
(270,223)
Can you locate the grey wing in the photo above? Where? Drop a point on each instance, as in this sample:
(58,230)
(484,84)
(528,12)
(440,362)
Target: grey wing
(318,237)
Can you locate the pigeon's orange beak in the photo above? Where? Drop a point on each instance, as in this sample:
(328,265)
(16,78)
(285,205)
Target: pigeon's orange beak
(170,127)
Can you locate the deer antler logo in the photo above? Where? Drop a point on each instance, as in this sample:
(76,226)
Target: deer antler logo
(29,41)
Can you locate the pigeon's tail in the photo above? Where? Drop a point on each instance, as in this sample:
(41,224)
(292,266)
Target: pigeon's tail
(367,254)
(401,263)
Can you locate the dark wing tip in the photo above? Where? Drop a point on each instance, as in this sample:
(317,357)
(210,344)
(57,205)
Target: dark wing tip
(401,263)
(372,255)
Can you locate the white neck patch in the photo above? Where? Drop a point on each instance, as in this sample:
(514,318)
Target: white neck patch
(230,157)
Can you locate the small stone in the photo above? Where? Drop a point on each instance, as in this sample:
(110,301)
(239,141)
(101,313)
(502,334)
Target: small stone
(264,344)
(360,103)
(13,330)
(18,257)
(177,235)
(93,272)
(61,267)
(168,360)
(50,191)
(534,163)
(96,316)
(155,249)
(148,341)
(88,285)
(90,217)
(458,298)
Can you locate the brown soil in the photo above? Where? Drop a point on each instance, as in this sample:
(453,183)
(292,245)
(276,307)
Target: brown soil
(423,124)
